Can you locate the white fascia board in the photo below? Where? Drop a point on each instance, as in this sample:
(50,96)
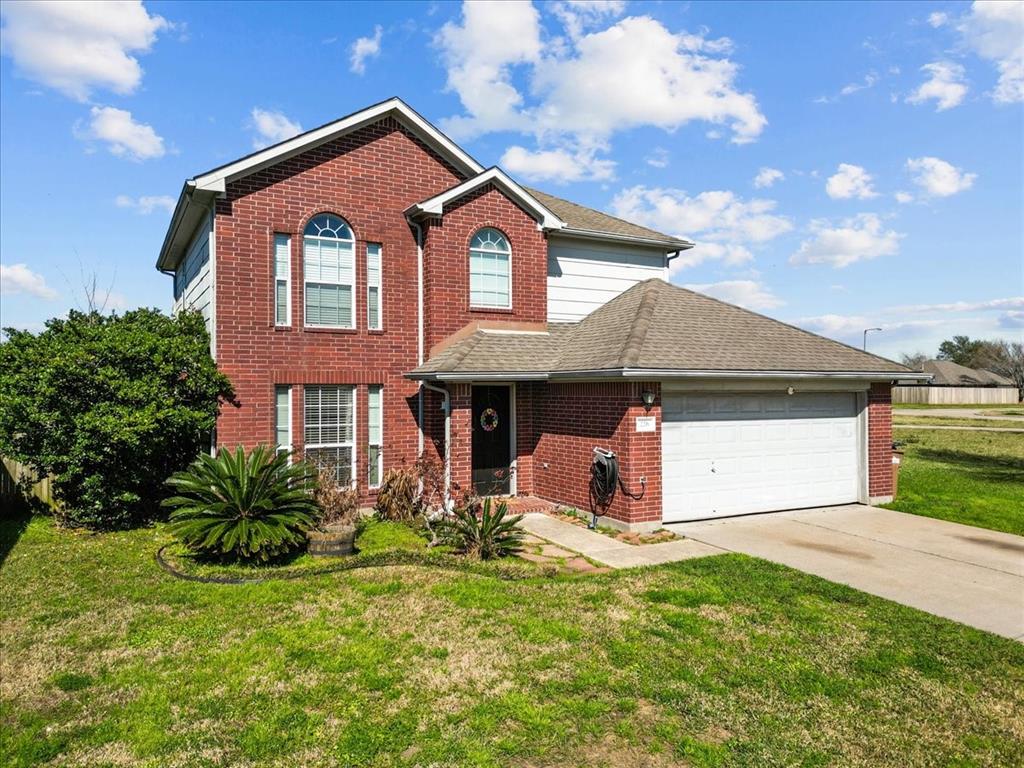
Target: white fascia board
(216,179)
(434,206)
(661,373)
(671,246)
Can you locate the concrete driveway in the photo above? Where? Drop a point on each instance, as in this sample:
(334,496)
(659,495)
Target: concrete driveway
(971,575)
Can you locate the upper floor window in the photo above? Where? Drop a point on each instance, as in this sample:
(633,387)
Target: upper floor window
(329,272)
(282,275)
(490,273)
(373,275)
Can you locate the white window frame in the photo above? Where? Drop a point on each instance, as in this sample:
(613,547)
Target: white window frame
(306,282)
(379,444)
(289,446)
(507,253)
(285,278)
(370,286)
(351,443)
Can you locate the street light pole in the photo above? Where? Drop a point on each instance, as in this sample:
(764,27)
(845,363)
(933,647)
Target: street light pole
(866,331)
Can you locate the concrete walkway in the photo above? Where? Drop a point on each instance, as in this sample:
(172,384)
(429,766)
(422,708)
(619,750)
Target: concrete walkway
(604,549)
(959,427)
(971,575)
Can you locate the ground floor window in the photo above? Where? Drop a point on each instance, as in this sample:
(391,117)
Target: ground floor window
(330,425)
(375,424)
(283,418)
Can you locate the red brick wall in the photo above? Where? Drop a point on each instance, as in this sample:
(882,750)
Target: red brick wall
(446,257)
(880,440)
(368,177)
(570,420)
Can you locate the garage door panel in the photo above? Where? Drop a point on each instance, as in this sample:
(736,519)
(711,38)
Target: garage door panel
(737,454)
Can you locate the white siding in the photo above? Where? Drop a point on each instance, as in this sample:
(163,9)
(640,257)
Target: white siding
(193,286)
(583,275)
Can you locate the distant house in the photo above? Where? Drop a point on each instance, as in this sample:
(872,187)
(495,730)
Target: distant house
(952,383)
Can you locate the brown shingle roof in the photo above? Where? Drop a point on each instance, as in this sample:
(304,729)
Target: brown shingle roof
(950,374)
(580,217)
(662,327)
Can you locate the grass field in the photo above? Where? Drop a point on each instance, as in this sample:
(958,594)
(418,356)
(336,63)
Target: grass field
(966,476)
(1012,409)
(940,421)
(725,661)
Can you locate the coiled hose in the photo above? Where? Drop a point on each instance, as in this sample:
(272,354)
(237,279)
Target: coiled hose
(604,481)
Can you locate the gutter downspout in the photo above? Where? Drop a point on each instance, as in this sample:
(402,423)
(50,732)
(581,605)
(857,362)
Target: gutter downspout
(446,406)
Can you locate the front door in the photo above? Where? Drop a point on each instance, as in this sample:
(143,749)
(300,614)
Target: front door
(492,438)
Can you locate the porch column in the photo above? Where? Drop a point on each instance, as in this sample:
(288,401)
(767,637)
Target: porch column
(461,453)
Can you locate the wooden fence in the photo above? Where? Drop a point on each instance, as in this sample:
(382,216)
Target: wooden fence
(955,395)
(13,473)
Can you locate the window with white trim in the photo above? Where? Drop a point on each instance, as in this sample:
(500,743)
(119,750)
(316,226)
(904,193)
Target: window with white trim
(490,274)
(375,424)
(329,274)
(373,280)
(282,279)
(330,426)
(283,418)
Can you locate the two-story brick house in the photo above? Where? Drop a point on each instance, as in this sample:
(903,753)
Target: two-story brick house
(372,292)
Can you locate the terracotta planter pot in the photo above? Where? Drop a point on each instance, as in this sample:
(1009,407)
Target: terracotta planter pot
(336,541)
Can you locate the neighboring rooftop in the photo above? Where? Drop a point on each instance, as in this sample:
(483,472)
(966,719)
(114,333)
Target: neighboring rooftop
(579,217)
(946,373)
(656,326)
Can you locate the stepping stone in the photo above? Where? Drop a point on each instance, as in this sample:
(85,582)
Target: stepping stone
(580,565)
(534,558)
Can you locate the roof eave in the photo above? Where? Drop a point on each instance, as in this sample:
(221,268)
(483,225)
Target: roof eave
(668,244)
(434,206)
(661,373)
(193,204)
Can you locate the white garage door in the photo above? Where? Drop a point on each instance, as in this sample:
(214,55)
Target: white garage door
(737,454)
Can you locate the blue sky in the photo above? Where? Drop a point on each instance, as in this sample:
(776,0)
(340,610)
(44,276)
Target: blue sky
(840,165)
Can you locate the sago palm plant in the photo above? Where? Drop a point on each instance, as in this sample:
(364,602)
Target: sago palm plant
(253,506)
(487,536)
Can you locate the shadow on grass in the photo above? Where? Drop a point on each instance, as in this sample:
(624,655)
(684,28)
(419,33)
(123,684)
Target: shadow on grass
(14,517)
(998,469)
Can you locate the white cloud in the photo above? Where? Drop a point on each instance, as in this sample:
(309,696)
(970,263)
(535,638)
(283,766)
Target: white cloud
(580,91)
(945,85)
(1011,320)
(723,225)
(745,293)
(859,238)
(995,31)
(578,15)
(903,197)
(1012,303)
(938,19)
(766,177)
(658,158)
(75,47)
(850,181)
(124,136)
(850,328)
(870,79)
(939,178)
(146,204)
(558,165)
(365,48)
(19,279)
(272,127)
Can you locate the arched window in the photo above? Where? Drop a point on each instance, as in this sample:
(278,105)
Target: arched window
(490,270)
(329,272)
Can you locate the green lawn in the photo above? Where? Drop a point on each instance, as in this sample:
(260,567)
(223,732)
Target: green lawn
(940,421)
(966,476)
(107,660)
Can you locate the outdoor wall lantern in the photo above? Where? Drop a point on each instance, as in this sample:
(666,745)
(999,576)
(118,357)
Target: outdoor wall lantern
(648,399)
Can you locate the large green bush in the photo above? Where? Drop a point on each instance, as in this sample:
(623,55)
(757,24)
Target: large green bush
(253,506)
(109,406)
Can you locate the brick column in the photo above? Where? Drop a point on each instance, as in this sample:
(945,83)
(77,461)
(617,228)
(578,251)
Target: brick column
(880,443)
(461,453)
(526,438)
(643,457)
